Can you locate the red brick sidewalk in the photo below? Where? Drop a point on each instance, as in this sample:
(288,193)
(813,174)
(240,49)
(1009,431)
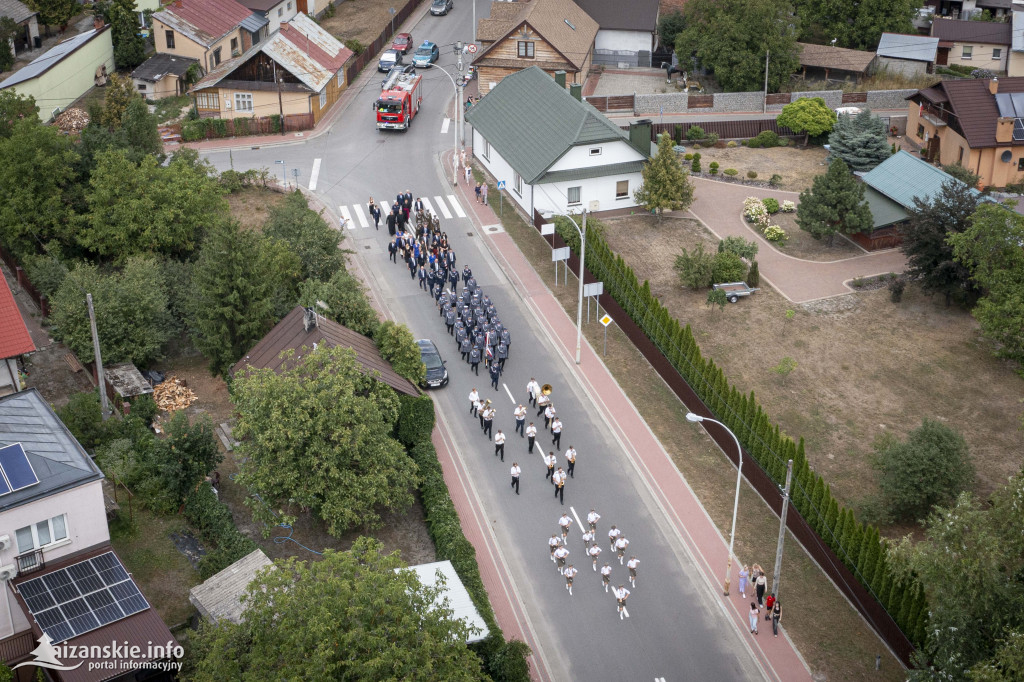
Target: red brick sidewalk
(778,657)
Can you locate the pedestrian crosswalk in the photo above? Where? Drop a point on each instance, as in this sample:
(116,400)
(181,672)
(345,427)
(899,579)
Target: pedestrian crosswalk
(355,216)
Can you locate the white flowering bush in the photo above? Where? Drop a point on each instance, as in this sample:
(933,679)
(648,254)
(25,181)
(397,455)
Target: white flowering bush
(788,207)
(755,212)
(774,233)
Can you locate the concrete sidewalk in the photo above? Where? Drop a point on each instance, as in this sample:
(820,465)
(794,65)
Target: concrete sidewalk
(777,657)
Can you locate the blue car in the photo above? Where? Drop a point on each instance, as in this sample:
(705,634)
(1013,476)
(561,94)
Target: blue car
(426,54)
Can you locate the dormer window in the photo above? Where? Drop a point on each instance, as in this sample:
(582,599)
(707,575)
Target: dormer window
(525,50)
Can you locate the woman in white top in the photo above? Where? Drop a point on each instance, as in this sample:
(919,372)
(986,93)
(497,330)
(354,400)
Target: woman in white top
(754,613)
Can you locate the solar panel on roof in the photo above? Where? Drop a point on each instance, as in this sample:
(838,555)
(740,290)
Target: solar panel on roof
(82,597)
(1018,103)
(1005,105)
(1018,129)
(17,470)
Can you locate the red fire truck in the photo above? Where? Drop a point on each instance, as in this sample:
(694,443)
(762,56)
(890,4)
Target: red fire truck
(399,101)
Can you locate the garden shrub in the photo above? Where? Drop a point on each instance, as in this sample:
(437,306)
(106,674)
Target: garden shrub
(896,289)
(694,133)
(713,167)
(145,408)
(678,133)
(754,275)
(774,233)
(731,172)
(711,139)
(744,248)
(415,419)
(688,156)
(765,138)
(754,211)
(695,164)
(775,180)
(84,419)
(731,144)
(212,519)
(728,267)
(771,205)
(45,272)
(357,47)
(788,206)
(752,175)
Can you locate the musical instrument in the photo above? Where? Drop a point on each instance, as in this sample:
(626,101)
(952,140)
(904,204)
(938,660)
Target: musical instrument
(546,389)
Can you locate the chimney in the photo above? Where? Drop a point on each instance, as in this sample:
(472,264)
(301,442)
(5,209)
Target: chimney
(309,319)
(560,77)
(1004,130)
(640,135)
(97,22)
(576,90)
(993,86)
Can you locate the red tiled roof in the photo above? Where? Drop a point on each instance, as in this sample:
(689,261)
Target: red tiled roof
(14,336)
(212,19)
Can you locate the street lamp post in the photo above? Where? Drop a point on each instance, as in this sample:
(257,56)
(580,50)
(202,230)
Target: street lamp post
(696,418)
(455,132)
(579,304)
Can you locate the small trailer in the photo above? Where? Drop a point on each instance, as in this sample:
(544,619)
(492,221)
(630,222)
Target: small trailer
(735,290)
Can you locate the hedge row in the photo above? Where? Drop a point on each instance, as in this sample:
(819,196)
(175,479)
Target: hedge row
(211,128)
(858,545)
(415,419)
(212,518)
(503,660)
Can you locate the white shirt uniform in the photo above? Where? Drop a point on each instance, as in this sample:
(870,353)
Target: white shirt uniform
(588,537)
(593,518)
(558,478)
(520,413)
(549,461)
(570,454)
(621,544)
(549,412)
(556,426)
(474,396)
(595,552)
(553,542)
(499,438)
(478,405)
(516,471)
(533,388)
(543,400)
(531,431)
(570,573)
(606,574)
(564,523)
(613,534)
(631,565)
(620,593)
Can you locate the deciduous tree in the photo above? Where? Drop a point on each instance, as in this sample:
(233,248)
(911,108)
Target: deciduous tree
(807,115)
(8,31)
(926,241)
(346,301)
(695,267)
(398,346)
(666,185)
(349,616)
(859,140)
(669,26)
(308,235)
(120,93)
(316,436)
(835,203)
(14,108)
(855,23)
(55,12)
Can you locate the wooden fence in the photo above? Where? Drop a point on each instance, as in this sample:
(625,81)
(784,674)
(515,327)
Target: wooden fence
(869,607)
(726,130)
(610,102)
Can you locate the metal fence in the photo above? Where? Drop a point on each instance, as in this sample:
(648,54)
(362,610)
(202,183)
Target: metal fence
(623,58)
(726,130)
(369,53)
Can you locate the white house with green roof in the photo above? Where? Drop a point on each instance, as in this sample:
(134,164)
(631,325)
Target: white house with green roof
(553,151)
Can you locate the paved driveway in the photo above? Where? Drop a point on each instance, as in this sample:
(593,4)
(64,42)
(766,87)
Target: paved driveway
(719,205)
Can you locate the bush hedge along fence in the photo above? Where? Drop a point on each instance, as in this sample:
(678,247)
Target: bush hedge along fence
(212,518)
(858,546)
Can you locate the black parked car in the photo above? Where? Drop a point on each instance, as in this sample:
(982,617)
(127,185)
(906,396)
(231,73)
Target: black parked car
(437,375)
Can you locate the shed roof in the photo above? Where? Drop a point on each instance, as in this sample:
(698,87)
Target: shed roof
(884,210)
(261,5)
(290,334)
(55,55)
(958,31)
(204,21)
(219,596)
(830,57)
(561,23)
(459,601)
(532,121)
(160,65)
(903,177)
(14,337)
(905,46)
(609,14)
(126,380)
(254,22)
(16,11)
(58,460)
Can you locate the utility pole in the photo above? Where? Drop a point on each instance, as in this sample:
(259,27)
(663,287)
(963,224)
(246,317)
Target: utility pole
(100,379)
(461,84)
(782,529)
(764,106)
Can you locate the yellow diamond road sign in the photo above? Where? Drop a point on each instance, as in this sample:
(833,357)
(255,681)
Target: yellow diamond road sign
(606,320)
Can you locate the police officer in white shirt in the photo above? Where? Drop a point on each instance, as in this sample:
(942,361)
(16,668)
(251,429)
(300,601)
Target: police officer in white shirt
(474,398)
(533,388)
(516,470)
(520,415)
(499,444)
(592,518)
(531,436)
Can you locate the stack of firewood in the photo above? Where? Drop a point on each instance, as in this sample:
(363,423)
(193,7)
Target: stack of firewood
(72,120)
(173,394)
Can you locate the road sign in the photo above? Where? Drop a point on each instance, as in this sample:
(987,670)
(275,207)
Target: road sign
(560,254)
(471,47)
(501,184)
(593,289)
(606,320)
(546,229)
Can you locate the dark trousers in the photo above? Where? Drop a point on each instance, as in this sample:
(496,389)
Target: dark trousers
(540,410)
(560,493)
(472,408)
(488,425)
(423,284)
(500,450)
(494,381)
(412,273)
(501,362)
(557,439)
(531,440)
(551,471)
(533,399)
(394,257)
(481,415)
(451,329)
(475,367)
(520,425)
(775,619)
(515,484)
(572,467)
(760,595)
(464,356)
(547,422)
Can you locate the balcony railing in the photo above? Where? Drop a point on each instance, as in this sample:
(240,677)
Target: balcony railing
(17,647)
(30,561)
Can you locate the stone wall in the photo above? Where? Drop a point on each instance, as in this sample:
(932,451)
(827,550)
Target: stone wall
(733,102)
(888,99)
(833,98)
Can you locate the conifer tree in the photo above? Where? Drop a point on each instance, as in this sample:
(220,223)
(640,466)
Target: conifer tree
(665,183)
(834,203)
(860,141)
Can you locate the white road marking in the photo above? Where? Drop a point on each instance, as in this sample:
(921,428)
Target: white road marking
(346,217)
(625,612)
(509,393)
(314,175)
(384,208)
(427,205)
(456,206)
(577,517)
(444,209)
(444,125)
(360,216)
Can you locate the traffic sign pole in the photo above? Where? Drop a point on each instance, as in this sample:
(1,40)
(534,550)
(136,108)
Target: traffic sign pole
(606,320)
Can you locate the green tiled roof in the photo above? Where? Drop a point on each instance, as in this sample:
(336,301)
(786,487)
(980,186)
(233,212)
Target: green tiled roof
(884,210)
(531,122)
(903,176)
(592,172)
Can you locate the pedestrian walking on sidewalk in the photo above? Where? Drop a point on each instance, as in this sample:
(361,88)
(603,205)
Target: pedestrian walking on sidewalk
(754,614)
(560,555)
(570,456)
(533,390)
(569,573)
(499,445)
(559,484)
(595,552)
(613,535)
(549,460)
(744,574)
(632,566)
(477,192)
(564,521)
(621,594)
(483,193)
(520,415)
(606,576)
(556,432)
(469,174)
(516,470)
(776,617)
(531,437)
(474,399)
(592,518)
(554,542)
(760,585)
(621,543)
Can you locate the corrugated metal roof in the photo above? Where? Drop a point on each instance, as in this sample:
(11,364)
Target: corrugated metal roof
(1017,25)
(905,46)
(289,334)
(642,15)
(560,23)
(459,601)
(884,210)
(160,65)
(58,459)
(531,121)
(205,21)
(958,30)
(126,380)
(52,57)
(219,596)
(254,22)
(14,337)
(16,11)
(902,177)
(592,172)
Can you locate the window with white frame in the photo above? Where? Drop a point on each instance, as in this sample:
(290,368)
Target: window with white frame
(207,100)
(341,78)
(595,151)
(487,150)
(517,184)
(574,195)
(42,534)
(968,51)
(243,101)
(622,189)
(323,98)
(997,52)
(280,12)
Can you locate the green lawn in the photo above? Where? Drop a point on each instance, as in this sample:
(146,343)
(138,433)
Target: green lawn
(170,107)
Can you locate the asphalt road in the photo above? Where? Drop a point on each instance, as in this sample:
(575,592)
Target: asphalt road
(677,629)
